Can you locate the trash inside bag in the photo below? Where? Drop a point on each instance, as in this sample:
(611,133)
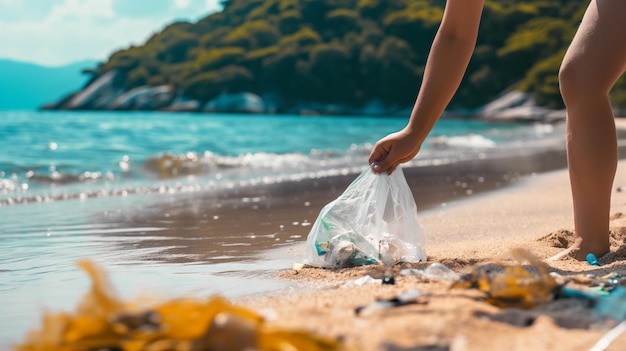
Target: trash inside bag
(374,220)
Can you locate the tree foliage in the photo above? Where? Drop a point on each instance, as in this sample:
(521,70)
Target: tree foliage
(353,51)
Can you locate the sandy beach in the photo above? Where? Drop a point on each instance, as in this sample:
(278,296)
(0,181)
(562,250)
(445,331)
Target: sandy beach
(534,213)
(474,214)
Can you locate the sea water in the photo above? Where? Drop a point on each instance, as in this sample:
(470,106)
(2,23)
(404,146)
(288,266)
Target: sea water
(76,185)
(52,156)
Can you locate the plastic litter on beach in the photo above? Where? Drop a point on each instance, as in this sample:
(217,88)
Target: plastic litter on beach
(592,259)
(596,286)
(527,286)
(436,271)
(612,305)
(373,221)
(389,280)
(104,322)
(513,285)
(407,298)
(368,279)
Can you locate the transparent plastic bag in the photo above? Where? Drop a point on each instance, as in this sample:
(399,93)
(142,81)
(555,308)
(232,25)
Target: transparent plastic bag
(374,220)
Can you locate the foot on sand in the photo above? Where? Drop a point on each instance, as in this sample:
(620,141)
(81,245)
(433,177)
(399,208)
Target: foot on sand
(579,251)
(572,246)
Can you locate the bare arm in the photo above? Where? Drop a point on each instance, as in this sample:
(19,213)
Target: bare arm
(447,61)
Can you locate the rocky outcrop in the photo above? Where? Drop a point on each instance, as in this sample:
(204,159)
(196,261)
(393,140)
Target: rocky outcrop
(107,93)
(238,102)
(517,106)
(183,104)
(96,94)
(143,98)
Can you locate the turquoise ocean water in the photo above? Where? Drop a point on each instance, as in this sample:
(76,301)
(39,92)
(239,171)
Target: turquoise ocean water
(78,185)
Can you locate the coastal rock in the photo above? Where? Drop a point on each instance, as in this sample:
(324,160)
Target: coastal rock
(57,105)
(182,104)
(98,93)
(106,93)
(127,99)
(244,102)
(517,106)
(519,113)
(503,102)
(158,97)
(142,98)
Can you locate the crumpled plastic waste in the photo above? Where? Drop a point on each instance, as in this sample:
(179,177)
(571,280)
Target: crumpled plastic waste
(513,285)
(389,280)
(368,279)
(597,285)
(346,250)
(592,259)
(612,305)
(609,282)
(436,271)
(373,221)
(407,298)
(103,322)
(528,286)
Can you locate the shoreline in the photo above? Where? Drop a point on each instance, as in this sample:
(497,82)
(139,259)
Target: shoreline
(264,228)
(534,214)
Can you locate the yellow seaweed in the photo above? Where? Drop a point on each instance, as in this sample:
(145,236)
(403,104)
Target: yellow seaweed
(103,322)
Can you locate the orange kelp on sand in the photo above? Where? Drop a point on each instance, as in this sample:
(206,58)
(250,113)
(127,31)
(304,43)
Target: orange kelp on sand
(103,322)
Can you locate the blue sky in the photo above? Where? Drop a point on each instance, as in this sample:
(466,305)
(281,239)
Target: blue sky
(58,32)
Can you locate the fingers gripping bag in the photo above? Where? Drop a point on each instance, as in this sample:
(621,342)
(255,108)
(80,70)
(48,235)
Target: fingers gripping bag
(373,221)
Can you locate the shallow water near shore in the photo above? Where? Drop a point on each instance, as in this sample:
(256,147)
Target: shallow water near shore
(221,213)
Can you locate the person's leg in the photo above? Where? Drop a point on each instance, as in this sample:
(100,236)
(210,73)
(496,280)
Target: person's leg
(595,59)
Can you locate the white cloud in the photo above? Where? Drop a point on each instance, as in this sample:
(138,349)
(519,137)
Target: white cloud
(75,30)
(181,3)
(79,9)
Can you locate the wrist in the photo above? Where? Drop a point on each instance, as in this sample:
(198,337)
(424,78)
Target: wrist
(417,135)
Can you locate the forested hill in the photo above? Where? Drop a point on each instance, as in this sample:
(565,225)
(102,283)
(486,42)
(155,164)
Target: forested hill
(350,52)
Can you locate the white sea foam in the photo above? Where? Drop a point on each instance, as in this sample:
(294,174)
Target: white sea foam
(473,141)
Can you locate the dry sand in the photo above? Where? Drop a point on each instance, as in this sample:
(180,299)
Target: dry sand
(535,214)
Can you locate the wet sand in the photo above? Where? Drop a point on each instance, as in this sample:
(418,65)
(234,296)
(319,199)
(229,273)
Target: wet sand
(244,222)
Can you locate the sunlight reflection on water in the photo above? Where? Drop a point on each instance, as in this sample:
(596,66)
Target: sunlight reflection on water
(42,242)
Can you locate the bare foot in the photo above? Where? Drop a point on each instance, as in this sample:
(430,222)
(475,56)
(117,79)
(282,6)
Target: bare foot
(579,252)
(569,252)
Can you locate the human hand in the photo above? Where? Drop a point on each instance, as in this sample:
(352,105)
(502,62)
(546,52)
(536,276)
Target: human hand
(392,150)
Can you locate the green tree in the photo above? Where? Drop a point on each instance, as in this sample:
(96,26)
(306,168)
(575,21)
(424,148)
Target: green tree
(328,72)
(352,51)
(252,35)
(214,58)
(339,22)
(289,22)
(207,85)
(542,81)
(399,76)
